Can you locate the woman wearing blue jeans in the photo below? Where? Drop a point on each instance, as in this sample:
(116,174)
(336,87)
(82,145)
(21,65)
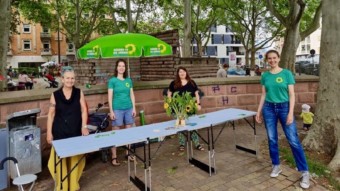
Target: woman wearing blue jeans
(277,104)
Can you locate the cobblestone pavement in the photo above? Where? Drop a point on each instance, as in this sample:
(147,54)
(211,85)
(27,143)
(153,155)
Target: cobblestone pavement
(236,170)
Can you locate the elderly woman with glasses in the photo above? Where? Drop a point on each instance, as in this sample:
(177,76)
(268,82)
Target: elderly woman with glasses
(67,117)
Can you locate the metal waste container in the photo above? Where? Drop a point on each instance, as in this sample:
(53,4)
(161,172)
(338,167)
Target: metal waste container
(24,142)
(3,154)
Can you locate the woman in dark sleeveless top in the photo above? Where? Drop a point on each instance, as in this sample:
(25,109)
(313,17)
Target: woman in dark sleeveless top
(67,118)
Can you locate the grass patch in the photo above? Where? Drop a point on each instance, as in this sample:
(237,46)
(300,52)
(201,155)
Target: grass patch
(315,167)
(172,170)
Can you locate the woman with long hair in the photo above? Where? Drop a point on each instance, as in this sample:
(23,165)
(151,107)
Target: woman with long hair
(121,103)
(183,83)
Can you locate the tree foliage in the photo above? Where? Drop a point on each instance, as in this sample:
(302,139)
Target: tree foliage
(300,18)
(204,16)
(252,24)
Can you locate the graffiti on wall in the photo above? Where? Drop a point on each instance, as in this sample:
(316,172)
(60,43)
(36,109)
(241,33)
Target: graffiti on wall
(215,88)
(233,89)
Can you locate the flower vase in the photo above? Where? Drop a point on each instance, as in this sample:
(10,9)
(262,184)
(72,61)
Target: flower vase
(180,122)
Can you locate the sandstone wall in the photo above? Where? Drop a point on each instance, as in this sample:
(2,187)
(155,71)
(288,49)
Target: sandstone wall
(218,94)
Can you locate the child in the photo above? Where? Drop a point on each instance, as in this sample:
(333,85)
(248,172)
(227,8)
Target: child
(307,117)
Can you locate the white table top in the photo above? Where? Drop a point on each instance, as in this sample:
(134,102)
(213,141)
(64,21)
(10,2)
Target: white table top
(94,142)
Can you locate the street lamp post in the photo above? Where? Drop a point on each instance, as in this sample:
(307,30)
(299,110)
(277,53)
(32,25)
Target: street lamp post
(58,32)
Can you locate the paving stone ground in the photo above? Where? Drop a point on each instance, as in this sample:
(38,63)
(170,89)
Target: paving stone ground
(236,170)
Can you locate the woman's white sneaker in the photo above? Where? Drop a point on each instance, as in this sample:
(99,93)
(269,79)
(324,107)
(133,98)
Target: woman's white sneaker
(305,180)
(276,171)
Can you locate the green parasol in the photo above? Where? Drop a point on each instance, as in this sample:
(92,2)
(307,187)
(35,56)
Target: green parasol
(129,45)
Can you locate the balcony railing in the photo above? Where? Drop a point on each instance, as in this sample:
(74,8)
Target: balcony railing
(45,35)
(46,52)
(70,52)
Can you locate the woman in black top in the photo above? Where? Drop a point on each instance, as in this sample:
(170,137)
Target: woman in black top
(183,83)
(67,118)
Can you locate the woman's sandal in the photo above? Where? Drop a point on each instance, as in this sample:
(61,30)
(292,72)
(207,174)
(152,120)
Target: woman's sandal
(116,163)
(200,148)
(181,147)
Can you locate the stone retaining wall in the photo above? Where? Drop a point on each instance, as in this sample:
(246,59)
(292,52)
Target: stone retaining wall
(235,92)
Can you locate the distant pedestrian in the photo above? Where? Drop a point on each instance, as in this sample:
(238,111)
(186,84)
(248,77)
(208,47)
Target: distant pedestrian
(306,116)
(10,71)
(222,72)
(277,104)
(257,70)
(25,80)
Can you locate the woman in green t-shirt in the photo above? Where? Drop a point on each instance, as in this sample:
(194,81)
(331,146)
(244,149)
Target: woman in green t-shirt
(277,104)
(121,102)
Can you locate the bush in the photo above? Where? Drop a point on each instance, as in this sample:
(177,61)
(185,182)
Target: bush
(29,70)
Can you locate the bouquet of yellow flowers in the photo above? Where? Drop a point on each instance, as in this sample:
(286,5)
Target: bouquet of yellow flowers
(181,106)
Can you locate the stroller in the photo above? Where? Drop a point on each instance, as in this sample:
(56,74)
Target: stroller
(99,121)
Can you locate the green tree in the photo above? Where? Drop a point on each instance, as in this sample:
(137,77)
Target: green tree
(252,24)
(36,11)
(324,135)
(203,17)
(79,18)
(300,18)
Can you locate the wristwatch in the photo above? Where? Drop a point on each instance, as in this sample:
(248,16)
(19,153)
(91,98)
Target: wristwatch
(84,127)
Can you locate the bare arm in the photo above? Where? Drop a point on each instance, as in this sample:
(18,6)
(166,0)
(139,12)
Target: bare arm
(109,97)
(290,116)
(84,114)
(198,101)
(259,109)
(132,96)
(50,119)
(169,94)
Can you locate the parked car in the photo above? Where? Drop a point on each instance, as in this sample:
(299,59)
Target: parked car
(306,67)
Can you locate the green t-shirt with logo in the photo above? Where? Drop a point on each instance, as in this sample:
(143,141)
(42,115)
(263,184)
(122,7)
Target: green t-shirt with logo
(121,93)
(276,85)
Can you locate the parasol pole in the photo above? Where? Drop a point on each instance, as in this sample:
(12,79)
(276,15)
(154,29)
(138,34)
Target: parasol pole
(128,61)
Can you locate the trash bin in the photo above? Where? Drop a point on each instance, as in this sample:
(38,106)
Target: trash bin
(24,141)
(3,154)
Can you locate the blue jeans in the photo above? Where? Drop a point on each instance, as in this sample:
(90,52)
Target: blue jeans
(272,112)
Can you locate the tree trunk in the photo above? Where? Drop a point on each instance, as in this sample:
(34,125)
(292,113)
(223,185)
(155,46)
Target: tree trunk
(129,15)
(76,35)
(5,16)
(187,29)
(325,132)
(252,57)
(292,40)
(246,57)
(199,48)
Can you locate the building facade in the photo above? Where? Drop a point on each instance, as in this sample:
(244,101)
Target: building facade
(224,45)
(311,42)
(305,46)
(35,45)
